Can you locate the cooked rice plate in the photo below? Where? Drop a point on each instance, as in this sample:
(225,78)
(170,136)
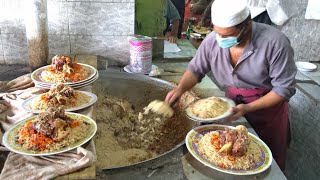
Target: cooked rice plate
(62,69)
(51,131)
(59,95)
(209,107)
(230,149)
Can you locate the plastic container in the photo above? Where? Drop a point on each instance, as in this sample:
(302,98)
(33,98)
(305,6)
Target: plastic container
(140,54)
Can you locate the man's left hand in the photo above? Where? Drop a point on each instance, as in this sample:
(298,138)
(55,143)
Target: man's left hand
(238,111)
(173,39)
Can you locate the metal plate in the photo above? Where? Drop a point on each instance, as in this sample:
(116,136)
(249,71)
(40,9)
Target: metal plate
(140,90)
(9,139)
(210,120)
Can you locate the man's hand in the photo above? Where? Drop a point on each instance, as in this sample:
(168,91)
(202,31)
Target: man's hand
(238,111)
(173,95)
(172,39)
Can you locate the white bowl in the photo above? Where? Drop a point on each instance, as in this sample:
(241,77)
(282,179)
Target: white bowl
(306,66)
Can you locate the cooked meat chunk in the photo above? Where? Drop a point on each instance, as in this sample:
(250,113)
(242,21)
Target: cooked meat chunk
(59,61)
(51,122)
(236,139)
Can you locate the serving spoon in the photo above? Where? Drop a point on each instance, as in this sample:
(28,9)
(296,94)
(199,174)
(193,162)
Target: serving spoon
(161,108)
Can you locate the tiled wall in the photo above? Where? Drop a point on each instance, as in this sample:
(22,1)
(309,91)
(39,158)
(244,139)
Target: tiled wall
(98,27)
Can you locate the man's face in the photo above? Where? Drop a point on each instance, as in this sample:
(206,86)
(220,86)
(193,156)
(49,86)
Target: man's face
(227,32)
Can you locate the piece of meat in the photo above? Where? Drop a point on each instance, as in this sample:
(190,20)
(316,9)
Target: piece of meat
(59,123)
(231,135)
(61,99)
(59,61)
(239,147)
(222,139)
(67,91)
(234,141)
(44,127)
(60,135)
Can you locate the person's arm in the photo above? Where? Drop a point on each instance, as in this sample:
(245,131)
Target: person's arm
(269,100)
(187,82)
(174,17)
(205,15)
(174,31)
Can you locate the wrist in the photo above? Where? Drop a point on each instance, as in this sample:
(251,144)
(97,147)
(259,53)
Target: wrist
(249,107)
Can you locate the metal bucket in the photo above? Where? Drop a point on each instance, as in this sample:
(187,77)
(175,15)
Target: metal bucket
(140,90)
(140,54)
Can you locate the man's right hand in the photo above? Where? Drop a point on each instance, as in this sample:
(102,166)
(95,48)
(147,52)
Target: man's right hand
(187,82)
(173,95)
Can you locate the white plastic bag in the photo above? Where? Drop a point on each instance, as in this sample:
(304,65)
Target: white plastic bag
(275,11)
(313,10)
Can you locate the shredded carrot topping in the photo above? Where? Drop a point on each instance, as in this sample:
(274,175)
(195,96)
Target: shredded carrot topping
(231,158)
(74,124)
(36,139)
(215,141)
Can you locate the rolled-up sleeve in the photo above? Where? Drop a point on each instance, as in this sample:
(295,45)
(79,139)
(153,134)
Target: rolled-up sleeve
(283,71)
(200,64)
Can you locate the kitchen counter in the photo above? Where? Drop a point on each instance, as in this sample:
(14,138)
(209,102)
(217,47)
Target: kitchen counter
(186,54)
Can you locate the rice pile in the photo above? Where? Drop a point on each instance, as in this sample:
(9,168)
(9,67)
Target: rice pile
(78,99)
(209,107)
(79,73)
(125,137)
(249,160)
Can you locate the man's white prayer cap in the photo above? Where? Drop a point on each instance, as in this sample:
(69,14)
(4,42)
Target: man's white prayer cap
(228,13)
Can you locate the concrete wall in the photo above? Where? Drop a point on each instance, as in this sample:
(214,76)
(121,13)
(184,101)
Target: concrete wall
(98,27)
(304,34)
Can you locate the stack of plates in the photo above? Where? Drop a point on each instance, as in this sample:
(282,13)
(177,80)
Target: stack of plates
(39,82)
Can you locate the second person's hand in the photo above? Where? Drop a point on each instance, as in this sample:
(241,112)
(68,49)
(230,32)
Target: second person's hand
(173,39)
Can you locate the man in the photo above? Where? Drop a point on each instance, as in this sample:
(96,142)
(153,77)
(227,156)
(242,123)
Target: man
(173,17)
(254,62)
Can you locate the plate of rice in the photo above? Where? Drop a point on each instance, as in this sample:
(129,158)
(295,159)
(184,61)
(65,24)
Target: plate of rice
(210,109)
(232,150)
(62,69)
(60,95)
(49,133)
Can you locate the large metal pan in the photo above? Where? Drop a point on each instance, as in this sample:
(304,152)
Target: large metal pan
(140,90)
